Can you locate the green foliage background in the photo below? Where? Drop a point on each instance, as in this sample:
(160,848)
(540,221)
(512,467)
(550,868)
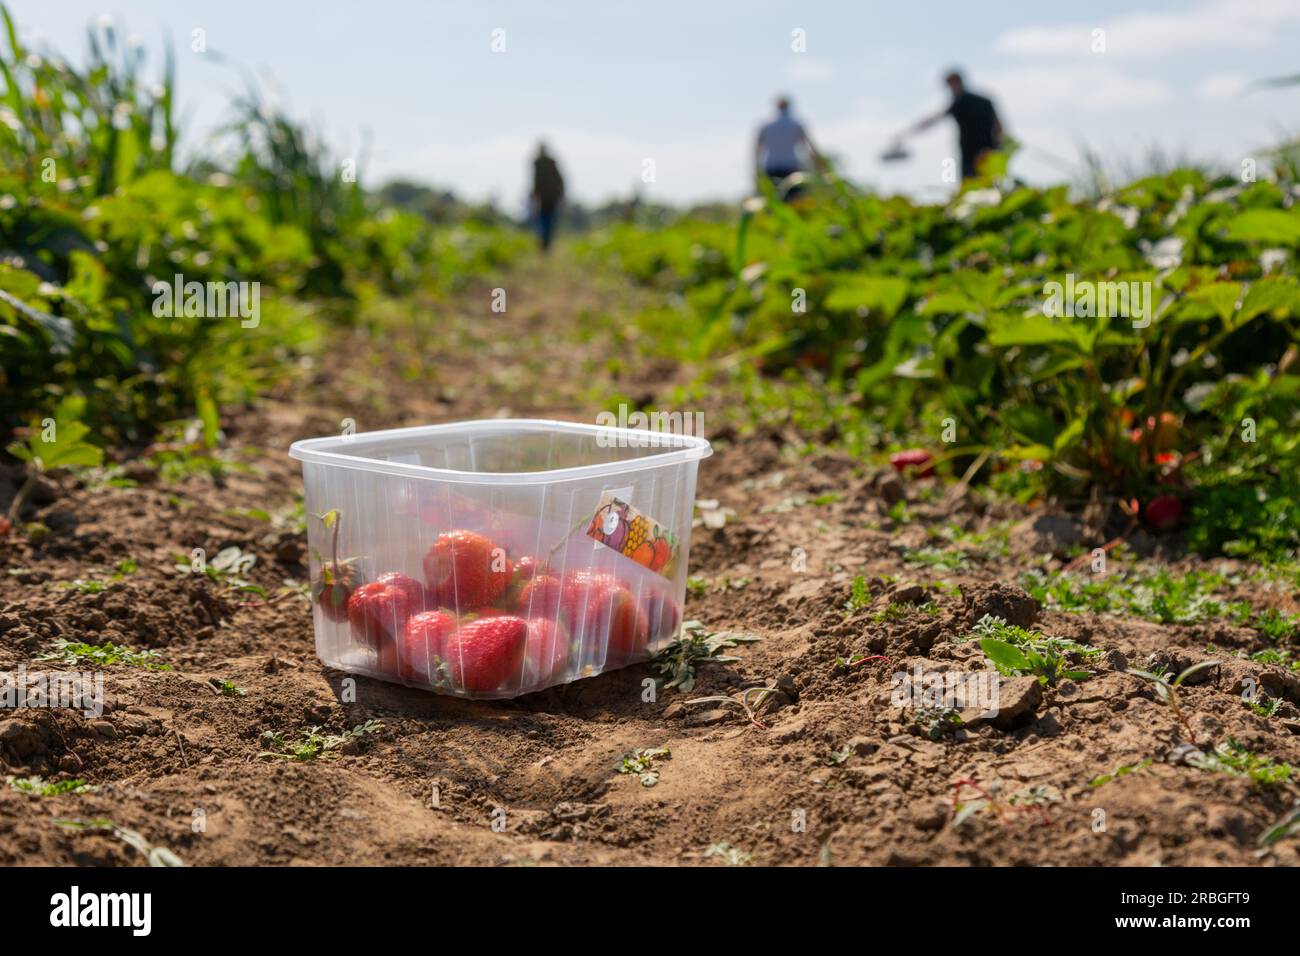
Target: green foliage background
(94,212)
(876,321)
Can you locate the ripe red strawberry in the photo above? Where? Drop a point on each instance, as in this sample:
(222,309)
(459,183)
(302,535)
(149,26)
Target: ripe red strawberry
(548,651)
(541,597)
(584,579)
(623,622)
(602,611)
(521,572)
(917,458)
(414,589)
(465,570)
(5,526)
(422,644)
(1163,513)
(661,611)
(486,652)
(333,589)
(378,612)
(571,597)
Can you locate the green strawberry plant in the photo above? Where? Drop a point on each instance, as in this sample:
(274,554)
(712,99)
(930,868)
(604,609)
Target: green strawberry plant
(1167,689)
(1234,759)
(679,660)
(643,763)
(1046,663)
(880,319)
(52,443)
(104,655)
(312,742)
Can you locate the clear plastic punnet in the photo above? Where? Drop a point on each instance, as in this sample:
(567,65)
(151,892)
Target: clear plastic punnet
(494,558)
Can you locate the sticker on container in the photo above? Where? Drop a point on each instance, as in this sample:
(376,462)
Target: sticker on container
(616,524)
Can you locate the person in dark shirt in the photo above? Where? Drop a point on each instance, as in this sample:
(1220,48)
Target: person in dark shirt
(548,191)
(978,128)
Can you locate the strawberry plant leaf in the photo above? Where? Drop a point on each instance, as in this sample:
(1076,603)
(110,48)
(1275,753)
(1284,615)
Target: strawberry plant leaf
(1007,658)
(1273,226)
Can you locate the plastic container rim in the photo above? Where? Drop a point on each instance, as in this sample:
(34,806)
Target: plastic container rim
(678,449)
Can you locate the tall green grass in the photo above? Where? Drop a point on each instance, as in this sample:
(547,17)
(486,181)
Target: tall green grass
(94,212)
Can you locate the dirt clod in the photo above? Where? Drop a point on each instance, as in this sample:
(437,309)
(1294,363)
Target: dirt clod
(1007,601)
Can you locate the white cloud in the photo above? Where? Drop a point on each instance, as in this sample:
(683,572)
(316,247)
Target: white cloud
(1217,25)
(1053,90)
(1221,86)
(810,69)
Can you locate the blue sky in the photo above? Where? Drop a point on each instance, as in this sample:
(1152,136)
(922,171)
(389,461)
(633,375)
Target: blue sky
(611,84)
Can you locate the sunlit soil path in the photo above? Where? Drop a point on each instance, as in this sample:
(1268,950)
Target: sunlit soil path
(828,768)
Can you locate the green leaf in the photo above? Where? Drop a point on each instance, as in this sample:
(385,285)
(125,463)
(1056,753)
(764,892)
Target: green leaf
(67,450)
(1221,297)
(210,417)
(1008,331)
(61,331)
(1264,225)
(1274,295)
(1195,668)
(949,301)
(1068,438)
(882,295)
(1005,657)
(1285,827)
(1027,452)
(1031,422)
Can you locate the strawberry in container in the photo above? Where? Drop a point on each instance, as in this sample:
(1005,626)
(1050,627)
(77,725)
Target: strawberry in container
(495,558)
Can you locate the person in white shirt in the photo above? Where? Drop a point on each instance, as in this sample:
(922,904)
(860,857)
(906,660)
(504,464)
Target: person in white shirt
(784,147)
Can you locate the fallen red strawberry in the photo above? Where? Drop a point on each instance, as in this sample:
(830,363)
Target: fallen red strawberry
(486,652)
(548,651)
(917,458)
(422,644)
(1163,513)
(5,526)
(465,570)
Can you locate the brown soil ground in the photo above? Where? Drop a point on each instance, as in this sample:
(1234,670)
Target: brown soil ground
(828,772)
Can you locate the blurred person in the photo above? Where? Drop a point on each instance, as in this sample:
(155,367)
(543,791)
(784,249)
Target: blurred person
(548,192)
(979,130)
(784,148)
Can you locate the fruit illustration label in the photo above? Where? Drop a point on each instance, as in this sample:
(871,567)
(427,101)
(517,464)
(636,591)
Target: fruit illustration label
(616,524)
